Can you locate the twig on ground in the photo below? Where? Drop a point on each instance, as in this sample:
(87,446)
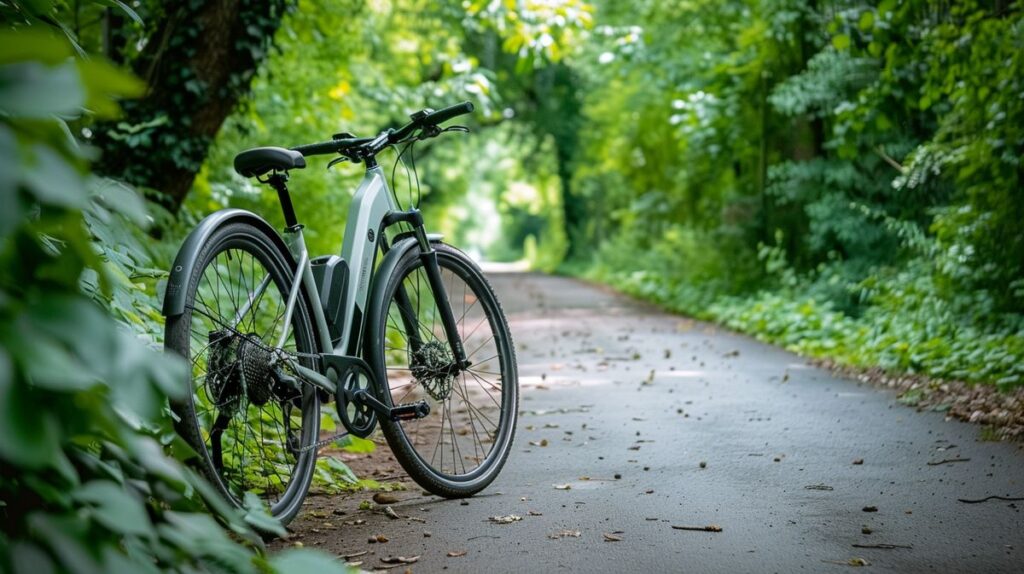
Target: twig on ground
(987,498)
(708,528)
(946,461)
(882,546)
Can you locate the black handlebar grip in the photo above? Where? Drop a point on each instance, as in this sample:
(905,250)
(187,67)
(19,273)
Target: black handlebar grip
(319,148)
(445,114)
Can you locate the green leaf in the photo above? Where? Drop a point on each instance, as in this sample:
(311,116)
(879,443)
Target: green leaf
(358,445)
(867,20)
(121,198)
(118,4)
(67,536)
(32,44)
(35,90)
(200,536)
(31,438)
(306,561)
(258,517)
(117,508)
(341,468)
(27,558)
(104,83)
(841,42)
(53,180)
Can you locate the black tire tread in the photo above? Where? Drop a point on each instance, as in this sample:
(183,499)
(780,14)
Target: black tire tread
(403,451)
(177,337)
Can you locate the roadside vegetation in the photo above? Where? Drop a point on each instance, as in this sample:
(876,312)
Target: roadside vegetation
(842,178)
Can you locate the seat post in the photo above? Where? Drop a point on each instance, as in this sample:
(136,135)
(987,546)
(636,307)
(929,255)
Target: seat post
(278,180)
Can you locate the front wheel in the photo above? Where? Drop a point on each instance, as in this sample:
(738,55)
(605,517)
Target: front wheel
(459,448)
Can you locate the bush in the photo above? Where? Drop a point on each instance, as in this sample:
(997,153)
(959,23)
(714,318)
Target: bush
(85,483)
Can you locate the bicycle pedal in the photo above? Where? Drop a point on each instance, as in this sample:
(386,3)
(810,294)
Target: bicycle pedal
(410,411)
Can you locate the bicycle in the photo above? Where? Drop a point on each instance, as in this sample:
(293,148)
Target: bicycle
(402,331)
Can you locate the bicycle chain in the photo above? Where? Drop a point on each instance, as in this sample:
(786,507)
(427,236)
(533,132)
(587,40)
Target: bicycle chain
(320,443)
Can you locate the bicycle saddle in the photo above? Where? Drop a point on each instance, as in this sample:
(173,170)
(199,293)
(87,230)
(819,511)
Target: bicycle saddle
(259,160)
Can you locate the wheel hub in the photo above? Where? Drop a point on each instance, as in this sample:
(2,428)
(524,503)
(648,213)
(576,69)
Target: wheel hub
(431,367)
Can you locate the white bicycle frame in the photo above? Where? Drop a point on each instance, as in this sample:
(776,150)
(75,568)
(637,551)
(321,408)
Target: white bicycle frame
(372,202)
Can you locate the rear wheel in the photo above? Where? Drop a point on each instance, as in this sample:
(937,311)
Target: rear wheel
(460,447)
(253,429)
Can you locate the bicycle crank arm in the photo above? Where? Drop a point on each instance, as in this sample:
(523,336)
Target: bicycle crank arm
(406,412)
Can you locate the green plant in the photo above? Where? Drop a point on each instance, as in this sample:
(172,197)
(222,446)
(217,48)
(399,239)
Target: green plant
(85,484)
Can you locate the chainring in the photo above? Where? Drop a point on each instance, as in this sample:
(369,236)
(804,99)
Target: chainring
(358,418)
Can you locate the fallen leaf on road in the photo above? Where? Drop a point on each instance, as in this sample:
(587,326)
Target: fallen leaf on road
(858,461)
(509,519)
(708,528)
(353,555)
(457,553)
(399,559)
(818,487)
(564,534)
(534,513)
(870,509)
(385,498)
(543,442)
(390,513)
(612,538)
(562,486)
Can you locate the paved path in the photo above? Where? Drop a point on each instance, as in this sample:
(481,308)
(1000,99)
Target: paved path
(703,427)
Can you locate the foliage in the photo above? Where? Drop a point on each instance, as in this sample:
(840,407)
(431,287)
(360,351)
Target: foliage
(85,484)
(843,179)
(399,57)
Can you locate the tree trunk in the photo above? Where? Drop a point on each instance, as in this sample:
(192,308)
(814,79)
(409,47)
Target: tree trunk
(198,63)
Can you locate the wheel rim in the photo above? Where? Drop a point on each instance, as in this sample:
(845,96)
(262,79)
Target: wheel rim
(252,428)
(466,428)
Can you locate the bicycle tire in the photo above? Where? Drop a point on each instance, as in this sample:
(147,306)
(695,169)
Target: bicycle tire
(402,436)
(184,335)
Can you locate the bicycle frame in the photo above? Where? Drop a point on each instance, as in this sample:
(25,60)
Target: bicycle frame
(372,202)
(374,208)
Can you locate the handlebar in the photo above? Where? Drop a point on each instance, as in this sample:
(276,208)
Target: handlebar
(426,118)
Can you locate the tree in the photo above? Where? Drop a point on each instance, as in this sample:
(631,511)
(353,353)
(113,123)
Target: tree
(198,61)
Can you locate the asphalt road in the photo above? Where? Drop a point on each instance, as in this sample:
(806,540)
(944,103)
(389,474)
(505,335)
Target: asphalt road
(702,427)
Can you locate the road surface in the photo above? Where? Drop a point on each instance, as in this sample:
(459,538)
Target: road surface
(655,421)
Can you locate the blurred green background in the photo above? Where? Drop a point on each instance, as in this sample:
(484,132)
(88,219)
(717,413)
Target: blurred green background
(842,177)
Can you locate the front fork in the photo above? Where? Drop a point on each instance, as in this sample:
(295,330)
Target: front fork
(428,256)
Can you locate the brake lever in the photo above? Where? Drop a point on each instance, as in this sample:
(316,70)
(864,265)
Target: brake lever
(462,129)
(427,132)
(336,161)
